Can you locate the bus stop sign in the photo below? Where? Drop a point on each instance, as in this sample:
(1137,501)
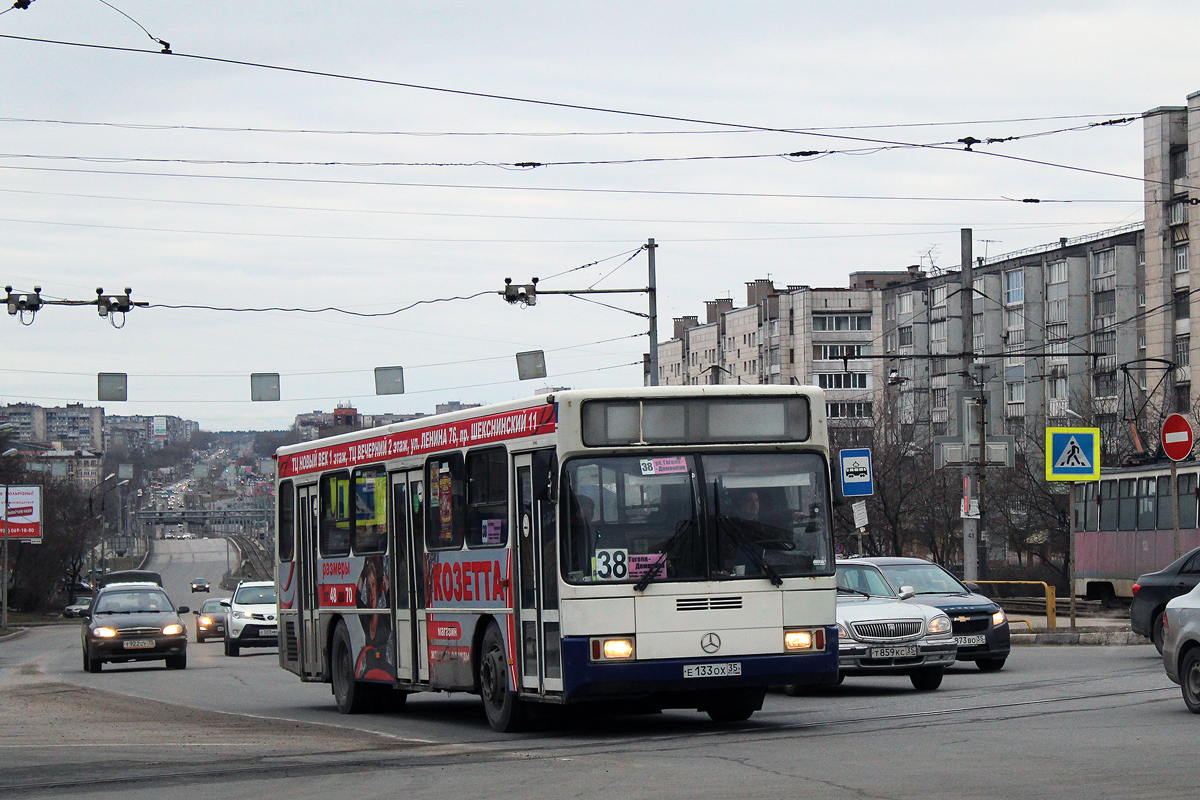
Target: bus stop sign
(1177,437)
(856,472)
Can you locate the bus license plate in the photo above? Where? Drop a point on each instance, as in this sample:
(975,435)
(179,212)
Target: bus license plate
(133,644)
(967,641)
(894,652)
(712,670)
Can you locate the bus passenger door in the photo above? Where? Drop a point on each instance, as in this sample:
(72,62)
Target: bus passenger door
(306,595)
(536,605)
(412,657)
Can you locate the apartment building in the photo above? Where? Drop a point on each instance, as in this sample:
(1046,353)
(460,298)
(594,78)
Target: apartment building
(73,426)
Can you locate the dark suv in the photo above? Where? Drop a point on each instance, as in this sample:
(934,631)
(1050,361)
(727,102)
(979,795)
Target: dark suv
(133,622)
(980,626)
(1152,591)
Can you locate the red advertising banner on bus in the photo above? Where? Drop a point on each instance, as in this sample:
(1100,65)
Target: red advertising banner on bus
(517,424)
(21,513)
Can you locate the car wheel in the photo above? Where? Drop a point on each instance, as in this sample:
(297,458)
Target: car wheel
(231,649)
(351,696)
(1189,680)
(1156,631)
(177,662)
(91,664)
(505,711)
(926,679)
(990,664)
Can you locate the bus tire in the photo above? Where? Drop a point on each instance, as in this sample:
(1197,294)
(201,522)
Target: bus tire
(736,705)
(350,695)
(505,711)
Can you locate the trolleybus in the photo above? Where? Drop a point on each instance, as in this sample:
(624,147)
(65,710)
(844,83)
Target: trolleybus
(1124,527)
(646,548)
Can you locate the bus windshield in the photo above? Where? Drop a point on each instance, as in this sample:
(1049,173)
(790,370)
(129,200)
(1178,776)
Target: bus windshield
(696,517)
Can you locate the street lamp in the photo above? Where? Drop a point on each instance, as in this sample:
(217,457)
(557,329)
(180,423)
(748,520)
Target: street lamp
(104,494)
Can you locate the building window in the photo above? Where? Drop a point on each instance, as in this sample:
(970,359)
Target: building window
(1183,305)
(1183,349)
(939,397)
(849,410)
(842,380)
(1177,213)
(1014,287)
(937,297)
(905,302)
(905,334)
(1180,252)
(1015,392)
(1056,272)
(1183,398)
(832,352)
(1104,270)
(841,322)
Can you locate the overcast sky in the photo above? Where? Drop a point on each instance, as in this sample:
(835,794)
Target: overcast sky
(129,169)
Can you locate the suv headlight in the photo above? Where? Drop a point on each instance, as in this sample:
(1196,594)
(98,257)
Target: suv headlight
(939,624)
(238,614)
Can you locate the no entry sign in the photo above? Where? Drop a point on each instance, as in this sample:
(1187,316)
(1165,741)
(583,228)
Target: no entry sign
(1177,437)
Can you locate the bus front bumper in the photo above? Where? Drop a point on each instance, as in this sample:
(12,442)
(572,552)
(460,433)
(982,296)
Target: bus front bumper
(584,679)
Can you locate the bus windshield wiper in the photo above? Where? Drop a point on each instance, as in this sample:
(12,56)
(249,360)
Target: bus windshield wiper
(681,527)
(727,525)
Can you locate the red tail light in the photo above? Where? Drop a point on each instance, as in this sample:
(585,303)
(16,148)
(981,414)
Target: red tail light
(1136,586)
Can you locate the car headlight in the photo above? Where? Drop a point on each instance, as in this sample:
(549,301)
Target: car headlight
(939,624)
(174,629)
(205,621)
(843,632)
(998,617)
(104,633)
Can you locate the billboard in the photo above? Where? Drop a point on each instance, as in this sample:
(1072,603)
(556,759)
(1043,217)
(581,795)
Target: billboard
(21,513)
(160,427)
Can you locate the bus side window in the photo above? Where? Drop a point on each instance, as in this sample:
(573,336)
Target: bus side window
(370,510)
(286,534)
(445,488)
(335,519)
(487,498)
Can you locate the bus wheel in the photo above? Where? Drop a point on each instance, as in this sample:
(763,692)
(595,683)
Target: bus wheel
(350,695)
(736,705)
(504,709)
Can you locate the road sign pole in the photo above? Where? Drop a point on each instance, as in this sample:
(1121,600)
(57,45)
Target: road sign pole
(1071,549)
(1175,504)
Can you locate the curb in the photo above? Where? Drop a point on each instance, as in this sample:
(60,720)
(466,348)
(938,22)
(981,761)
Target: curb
(1117,637)
(19,632)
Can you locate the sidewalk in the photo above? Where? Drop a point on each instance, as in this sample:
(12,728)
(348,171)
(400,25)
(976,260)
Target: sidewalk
(1100,630)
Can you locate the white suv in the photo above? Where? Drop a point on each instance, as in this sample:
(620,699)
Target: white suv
(252,620)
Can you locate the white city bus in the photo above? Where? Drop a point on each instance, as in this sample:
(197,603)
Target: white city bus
(649,548)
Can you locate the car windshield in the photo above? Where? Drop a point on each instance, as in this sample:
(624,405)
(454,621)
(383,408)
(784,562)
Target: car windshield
(255,595)
(212,607)
(200,580)
(133,603)
(695,517)
(862,579)
(923,578)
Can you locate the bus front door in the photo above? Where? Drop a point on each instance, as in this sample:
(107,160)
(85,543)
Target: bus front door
(306,595)
(536,606)
(412,657)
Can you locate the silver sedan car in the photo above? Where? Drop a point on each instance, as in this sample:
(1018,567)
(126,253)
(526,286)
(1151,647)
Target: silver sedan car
(1181,646)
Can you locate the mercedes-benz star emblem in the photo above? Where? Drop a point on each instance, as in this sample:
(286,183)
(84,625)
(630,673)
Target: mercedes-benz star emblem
(710,643)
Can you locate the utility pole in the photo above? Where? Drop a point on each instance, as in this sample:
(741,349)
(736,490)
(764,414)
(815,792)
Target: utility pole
(971,471)
(652,291)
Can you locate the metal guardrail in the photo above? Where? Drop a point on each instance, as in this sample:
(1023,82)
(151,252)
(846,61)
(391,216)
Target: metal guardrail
(1051,600)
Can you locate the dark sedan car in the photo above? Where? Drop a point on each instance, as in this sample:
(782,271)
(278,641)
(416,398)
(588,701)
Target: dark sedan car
(134,622)
(210,619)
(1152,592)
(980,626)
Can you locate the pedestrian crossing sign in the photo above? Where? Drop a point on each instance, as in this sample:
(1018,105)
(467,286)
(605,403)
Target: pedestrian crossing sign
(1072,454)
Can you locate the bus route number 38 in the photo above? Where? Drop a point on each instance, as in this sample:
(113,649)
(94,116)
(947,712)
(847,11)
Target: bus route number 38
(611,565)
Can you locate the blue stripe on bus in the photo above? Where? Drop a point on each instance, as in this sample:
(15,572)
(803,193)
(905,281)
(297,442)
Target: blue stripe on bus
(583,678)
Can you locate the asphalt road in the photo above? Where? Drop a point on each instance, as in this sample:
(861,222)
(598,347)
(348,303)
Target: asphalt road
(1094,721)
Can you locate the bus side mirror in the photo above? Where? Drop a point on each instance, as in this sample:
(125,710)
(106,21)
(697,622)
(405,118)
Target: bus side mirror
(545,476)
(839,499)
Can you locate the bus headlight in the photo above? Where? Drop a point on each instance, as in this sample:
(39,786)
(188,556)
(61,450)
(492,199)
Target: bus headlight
(804,640)
(617,648)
